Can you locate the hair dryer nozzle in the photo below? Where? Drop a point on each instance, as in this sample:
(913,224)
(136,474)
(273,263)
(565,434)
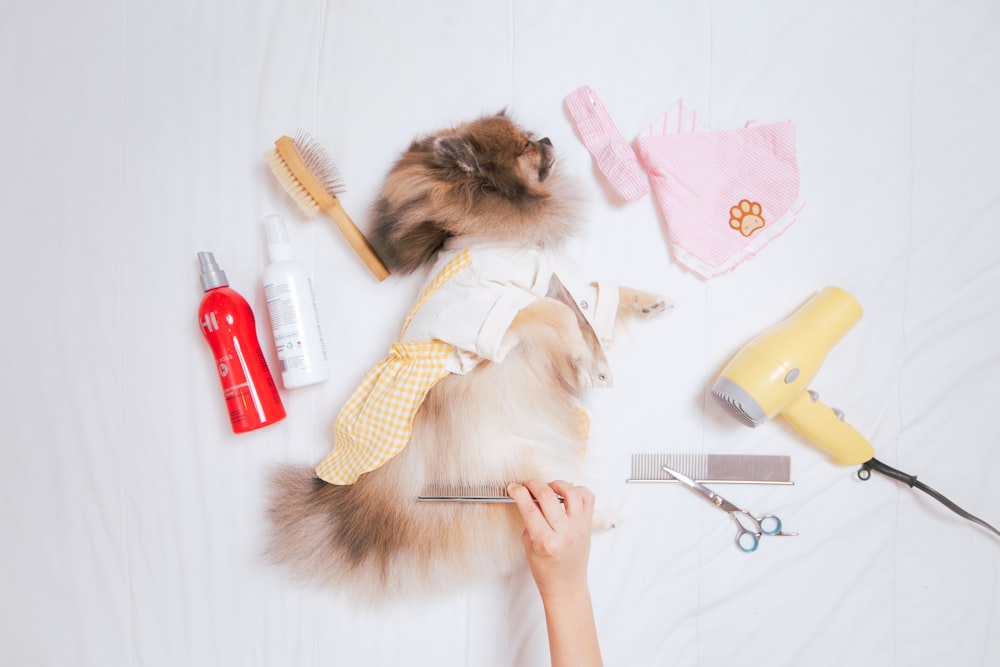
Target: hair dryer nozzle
(738,402)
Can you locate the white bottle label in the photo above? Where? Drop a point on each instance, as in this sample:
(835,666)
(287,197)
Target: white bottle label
(287,324)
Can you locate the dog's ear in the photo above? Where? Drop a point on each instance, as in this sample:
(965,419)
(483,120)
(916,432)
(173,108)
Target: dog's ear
(407,249)
(456,154)
(404,244)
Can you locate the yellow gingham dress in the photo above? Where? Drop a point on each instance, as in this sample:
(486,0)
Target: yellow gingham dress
(375,423)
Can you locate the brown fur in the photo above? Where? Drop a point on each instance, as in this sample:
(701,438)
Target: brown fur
(488,178)
(514,420)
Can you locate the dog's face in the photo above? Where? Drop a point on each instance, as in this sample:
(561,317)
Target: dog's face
(487,178)
(491,154)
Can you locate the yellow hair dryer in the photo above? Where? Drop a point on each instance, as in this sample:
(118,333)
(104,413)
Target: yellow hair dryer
(771,376)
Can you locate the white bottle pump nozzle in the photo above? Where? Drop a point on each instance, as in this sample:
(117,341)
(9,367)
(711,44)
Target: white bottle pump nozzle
(279,245)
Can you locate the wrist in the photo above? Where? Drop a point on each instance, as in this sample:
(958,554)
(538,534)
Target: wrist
(566,596)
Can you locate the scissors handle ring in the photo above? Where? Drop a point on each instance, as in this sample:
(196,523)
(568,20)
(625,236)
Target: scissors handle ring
(748,530)
(769,524)
(747,541)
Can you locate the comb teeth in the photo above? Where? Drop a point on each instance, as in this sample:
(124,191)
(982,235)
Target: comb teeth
(319,163)
(708,468)
(495,492)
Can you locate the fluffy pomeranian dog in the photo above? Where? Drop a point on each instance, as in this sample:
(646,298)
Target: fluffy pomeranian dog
(508,406)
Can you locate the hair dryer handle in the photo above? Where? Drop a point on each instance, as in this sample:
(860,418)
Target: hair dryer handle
(824,428)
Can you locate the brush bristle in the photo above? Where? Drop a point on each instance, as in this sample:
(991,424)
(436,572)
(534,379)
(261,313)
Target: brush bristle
(319,163)
(291,184)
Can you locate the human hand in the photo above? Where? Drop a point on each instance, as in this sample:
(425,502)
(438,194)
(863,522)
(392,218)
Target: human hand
(557,534)
(557,543)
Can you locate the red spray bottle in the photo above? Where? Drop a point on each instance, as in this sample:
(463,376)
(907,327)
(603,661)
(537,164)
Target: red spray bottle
(227,323)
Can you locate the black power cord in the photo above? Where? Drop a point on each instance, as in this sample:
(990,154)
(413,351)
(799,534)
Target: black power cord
(864,473)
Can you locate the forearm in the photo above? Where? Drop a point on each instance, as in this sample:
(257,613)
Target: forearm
(572,630)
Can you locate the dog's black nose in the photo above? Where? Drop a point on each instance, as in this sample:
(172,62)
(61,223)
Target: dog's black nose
(545,140)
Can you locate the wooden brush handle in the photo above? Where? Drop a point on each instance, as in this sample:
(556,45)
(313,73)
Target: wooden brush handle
(356,239)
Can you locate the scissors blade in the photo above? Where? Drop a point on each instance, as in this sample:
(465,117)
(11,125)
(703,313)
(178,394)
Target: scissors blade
(702,490)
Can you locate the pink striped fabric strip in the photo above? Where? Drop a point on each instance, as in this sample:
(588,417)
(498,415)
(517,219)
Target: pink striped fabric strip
(614,156)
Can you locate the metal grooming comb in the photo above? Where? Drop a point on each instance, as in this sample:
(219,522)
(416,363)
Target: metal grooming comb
(465,492)
(713,468)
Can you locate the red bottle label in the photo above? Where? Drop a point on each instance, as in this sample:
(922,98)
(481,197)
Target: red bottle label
(228,325)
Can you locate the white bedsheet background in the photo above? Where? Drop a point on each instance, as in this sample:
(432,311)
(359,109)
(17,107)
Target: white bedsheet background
(134,134)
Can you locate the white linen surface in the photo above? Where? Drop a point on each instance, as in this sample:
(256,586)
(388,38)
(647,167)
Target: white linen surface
(134,135)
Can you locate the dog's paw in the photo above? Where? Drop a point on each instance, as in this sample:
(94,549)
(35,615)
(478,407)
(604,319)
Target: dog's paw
(605,520)
(633,302)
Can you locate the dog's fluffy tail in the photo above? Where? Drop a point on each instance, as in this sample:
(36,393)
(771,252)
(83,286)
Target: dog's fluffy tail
(374,542)
(346,537)
(301,522)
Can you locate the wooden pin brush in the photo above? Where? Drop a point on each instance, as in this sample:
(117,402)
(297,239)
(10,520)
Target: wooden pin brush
(310,177)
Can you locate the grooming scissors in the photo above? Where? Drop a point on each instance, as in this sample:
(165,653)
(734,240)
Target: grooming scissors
(749,528)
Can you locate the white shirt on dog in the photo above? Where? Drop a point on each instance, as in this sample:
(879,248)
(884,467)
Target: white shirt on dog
(473,310)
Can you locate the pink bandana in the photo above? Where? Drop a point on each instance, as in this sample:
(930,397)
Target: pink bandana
(724,194)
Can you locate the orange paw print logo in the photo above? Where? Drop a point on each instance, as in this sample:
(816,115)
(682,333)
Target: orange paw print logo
(746,217)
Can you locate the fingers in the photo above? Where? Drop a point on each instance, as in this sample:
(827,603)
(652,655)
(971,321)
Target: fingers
(534,522)
(548,502)
(551,502)
(577,499)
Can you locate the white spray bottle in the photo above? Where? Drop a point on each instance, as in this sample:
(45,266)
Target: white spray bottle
(291,305)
